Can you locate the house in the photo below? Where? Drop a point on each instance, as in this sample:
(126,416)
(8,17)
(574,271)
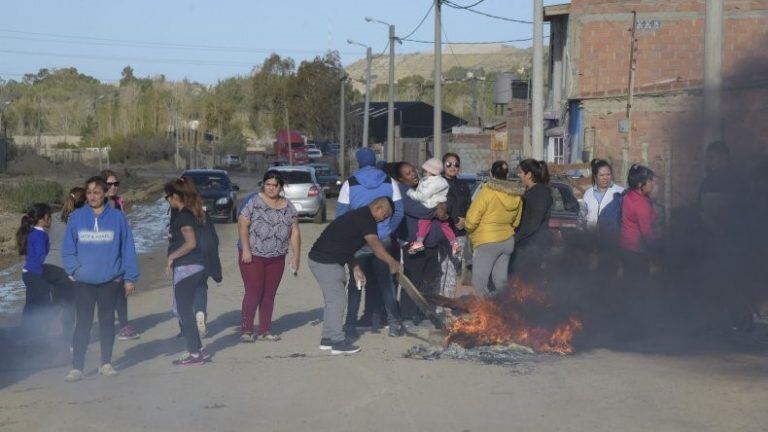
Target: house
(652,113)
(413,127)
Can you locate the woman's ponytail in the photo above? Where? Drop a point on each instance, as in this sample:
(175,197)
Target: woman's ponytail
(544,170)
(73,201)
(28,222)
(538,169)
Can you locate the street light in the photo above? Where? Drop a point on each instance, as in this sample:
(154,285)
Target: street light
(390,153)
(368,58)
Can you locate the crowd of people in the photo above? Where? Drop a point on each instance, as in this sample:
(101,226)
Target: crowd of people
(388,220)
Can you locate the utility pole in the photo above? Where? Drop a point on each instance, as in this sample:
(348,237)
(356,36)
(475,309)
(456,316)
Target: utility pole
(391,102)
(367,113)
(367,116)
(176,135)
(437,129)
(288,131)
(537,116)
(342,129)
(390,150)
(713,69)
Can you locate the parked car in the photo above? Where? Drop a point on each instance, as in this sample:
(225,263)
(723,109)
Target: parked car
(231,161)
(564,219)
(314,153)
(218,192)
(304,191)
(328,179)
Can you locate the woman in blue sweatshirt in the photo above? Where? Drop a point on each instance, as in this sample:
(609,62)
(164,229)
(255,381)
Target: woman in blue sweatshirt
(99,255)
(33,243)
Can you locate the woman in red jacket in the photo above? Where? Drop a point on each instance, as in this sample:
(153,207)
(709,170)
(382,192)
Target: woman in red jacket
(638,218)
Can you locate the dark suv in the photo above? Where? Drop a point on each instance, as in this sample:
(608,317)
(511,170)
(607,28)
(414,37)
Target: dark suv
(218,192)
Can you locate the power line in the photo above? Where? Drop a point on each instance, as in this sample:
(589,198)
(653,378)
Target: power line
(25,74)
(457,6)
(469,9)
(199,62)
(450,47)
(420,22)
(470,43)
(87,40)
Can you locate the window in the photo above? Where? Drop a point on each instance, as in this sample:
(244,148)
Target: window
(210,181)
(556,150)
(296,177)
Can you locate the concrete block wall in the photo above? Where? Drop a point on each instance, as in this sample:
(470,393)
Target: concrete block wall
(475,152)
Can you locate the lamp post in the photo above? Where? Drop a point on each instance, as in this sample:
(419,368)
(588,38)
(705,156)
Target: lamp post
(390,152)
(367,114)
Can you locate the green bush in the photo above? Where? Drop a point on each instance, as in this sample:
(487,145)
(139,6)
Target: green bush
(20,195)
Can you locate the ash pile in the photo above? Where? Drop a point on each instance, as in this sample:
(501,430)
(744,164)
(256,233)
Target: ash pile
(500,355)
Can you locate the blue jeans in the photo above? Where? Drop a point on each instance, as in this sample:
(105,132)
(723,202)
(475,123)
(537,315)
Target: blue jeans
(379,279)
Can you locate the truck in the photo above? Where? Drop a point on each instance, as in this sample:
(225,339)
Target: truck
(289,148)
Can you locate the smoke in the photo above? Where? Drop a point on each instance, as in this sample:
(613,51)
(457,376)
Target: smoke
(709,272)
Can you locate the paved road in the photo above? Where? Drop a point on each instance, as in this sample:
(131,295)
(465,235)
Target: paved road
(292,386)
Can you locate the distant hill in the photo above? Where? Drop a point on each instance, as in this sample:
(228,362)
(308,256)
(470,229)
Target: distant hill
(491,58)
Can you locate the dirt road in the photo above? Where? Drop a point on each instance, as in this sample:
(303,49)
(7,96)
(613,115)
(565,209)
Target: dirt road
(293,386)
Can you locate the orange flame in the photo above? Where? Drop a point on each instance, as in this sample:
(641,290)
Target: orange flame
(502,321)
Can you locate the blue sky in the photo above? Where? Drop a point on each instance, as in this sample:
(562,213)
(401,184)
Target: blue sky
(209,40)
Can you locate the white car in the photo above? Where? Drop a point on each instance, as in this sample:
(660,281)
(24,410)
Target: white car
(314,153)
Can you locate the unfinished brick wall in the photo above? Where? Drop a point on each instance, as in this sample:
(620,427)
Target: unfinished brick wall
(667,111)
(669,57)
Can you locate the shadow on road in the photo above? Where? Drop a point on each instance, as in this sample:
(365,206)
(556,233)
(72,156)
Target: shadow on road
(283,324)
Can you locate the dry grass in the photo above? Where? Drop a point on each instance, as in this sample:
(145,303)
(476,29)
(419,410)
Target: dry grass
(18,195)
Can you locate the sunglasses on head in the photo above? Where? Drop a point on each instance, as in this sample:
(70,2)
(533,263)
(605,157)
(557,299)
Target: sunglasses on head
(452,164)
(115,184)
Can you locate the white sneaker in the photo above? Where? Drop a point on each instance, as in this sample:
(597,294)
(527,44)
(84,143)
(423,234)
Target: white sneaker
(200,317)
(107,370)
(74,375)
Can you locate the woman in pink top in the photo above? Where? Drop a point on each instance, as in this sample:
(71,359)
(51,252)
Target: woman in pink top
(638,218)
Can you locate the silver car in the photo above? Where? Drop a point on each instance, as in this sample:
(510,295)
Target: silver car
(303,191)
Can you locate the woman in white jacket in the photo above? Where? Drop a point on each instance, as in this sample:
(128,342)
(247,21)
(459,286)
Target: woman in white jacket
(600,194)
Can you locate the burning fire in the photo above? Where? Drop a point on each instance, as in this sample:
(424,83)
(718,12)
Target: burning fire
(504,320)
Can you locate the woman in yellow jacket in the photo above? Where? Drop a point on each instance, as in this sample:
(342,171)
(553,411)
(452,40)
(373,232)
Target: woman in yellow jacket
(491,222)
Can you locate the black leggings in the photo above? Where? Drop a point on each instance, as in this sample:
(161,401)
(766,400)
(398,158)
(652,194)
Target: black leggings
(121,306)
(423,269)
(86,298)
(184,292)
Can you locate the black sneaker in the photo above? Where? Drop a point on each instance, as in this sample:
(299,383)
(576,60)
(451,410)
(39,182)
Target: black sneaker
(326,344)
(396,330)
(350,332)
(364,321)
(344,347)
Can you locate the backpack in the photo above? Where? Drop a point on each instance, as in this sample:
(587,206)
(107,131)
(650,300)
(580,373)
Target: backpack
(208,244)
(609,220)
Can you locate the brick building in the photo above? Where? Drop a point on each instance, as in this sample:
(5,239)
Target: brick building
(591,45)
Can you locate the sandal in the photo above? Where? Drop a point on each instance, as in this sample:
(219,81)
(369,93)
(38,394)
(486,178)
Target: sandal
(269,337)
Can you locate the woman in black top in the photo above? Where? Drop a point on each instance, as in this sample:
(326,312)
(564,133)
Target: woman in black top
(459,198)
(533,238)
(186,264)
